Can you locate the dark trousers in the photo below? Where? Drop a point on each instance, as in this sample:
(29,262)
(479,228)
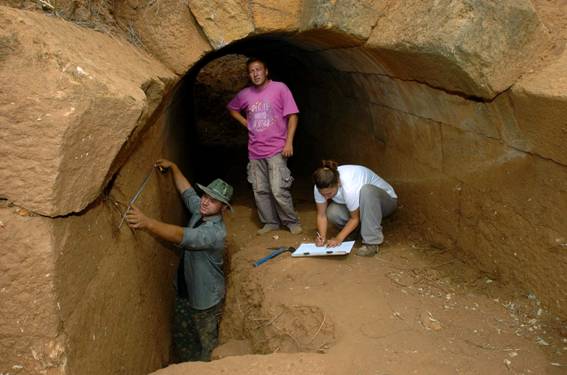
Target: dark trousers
(195,332)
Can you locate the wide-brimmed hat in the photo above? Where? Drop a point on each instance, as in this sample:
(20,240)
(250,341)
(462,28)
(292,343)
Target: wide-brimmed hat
(219,190)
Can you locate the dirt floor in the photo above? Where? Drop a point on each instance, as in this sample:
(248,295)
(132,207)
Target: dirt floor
(412,309)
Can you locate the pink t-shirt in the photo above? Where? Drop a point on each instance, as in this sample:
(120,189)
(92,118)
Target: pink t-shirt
(266,112)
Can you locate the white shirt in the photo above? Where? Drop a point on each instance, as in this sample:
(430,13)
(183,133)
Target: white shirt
(352,179)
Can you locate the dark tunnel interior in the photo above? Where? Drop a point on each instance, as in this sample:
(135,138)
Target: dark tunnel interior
(215,145)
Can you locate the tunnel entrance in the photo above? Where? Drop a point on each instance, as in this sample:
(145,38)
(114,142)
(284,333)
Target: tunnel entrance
(201,99)
(216,145)
(349,114)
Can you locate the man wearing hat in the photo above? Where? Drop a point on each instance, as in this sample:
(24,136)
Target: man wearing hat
(201,285)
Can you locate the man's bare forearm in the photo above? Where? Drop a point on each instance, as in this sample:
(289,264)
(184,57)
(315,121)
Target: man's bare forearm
(291,128)
(238,117)
(138,220)
(181,182)
(168,232)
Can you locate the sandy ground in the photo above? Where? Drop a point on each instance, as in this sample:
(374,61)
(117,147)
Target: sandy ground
(412,309)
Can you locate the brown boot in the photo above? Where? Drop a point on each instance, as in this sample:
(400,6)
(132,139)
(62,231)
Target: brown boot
(367,250)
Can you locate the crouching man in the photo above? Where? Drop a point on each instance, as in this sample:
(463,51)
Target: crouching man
(201,285)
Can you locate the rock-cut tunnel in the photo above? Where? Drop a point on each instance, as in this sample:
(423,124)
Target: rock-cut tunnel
(446,102)
(336,119)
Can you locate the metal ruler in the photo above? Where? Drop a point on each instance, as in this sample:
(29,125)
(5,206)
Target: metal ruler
(136,196)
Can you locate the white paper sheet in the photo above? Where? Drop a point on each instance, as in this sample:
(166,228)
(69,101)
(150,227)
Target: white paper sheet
(310,250)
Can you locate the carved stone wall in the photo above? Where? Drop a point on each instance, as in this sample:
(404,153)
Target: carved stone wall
(462,106)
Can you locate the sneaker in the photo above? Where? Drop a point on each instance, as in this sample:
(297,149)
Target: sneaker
(267,228)
(295,228)
(367,250)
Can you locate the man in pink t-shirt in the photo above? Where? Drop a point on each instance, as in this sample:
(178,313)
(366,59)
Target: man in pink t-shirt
(271,119)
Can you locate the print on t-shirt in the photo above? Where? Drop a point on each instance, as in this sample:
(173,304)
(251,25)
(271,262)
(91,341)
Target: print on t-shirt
(267,112)
(262,116)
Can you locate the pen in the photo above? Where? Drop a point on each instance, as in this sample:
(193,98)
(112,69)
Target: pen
(320,238)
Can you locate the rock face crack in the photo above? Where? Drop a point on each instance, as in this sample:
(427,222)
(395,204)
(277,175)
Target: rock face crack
(445,124)
(461,94)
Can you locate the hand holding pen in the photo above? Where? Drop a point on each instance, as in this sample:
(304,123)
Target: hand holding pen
(319,240)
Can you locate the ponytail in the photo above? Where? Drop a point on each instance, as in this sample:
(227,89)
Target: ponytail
(327,175)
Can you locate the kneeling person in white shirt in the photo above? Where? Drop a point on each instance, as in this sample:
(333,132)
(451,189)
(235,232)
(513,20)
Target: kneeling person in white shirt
(349,196)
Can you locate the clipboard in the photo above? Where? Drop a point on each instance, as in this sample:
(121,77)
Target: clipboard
(310,250)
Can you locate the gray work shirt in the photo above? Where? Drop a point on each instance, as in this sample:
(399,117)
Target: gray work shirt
(204,254)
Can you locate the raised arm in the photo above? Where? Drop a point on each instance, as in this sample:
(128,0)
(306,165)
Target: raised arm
(181,183)
(291,127)
(238,117)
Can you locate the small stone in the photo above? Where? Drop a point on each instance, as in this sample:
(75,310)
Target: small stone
(541,341)
(429,322)
(508,363)
(23,212)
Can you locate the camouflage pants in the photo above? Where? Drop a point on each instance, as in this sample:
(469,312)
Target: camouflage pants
(195,332)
